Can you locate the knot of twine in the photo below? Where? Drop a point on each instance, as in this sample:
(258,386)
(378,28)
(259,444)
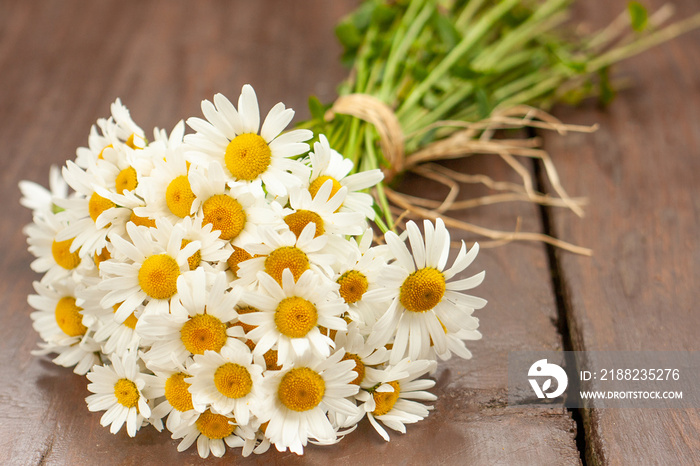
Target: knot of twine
(372,110)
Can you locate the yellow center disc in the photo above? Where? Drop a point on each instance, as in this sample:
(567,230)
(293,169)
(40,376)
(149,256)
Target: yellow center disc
(195,259)
(299,219)
(225,214)
(386,400)
(247,156)
(359,367)
(353,285)
(177,393)
(215,426)
(318,182)
(142,221)
(286,257)
(62,255)
(102,256)
(237,256)
(179,196)
(126,180)
(126,392)
(301,389)
(233,380)
(422,290)
(97,205)
(158,276)
(203,332)
(69,318)
(295,317)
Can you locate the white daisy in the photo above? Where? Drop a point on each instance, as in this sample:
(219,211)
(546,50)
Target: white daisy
(236,213)
(198,321)
(281,250)
(150,276)
(297,398)
(122,391)
(226,381)
(424,298)
(59,320)
(56,258)
(174,399)
(291,314)
(327,164)
(391,402)
(257,160)
(213,432)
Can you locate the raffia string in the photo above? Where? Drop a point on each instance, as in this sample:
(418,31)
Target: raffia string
(470,139)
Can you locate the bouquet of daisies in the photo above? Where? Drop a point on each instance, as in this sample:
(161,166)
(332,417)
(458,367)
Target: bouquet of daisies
(224,284)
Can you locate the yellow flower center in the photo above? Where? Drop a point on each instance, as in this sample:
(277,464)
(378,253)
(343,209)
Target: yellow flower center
(299,219)
(97,205)
(301,389)
(385,401)
(286,257)
(318,182)
(102,256)
(233,380)
(179,196)
(62,255)
(215,426)
(142,221)
(177,393)
(353,285)
(247,156)
(271,360)
(295,317)
(422,290)
(126,180)
(225,214)
(130,321)
(126,392)
(69,318)
(195,259)
(158,276)
(359,367)
(237,256)
(203,332)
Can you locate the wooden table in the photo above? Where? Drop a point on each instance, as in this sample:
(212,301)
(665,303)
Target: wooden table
(63,62)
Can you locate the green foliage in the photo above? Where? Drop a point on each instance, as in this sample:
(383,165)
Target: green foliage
(638,16)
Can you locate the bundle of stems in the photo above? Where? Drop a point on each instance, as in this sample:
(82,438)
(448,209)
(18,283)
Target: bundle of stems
(435,79)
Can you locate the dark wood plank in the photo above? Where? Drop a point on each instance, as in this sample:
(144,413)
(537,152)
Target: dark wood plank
(64,62)
(639,291)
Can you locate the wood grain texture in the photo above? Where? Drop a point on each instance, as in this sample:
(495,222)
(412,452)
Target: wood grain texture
(64,62)
(641,173)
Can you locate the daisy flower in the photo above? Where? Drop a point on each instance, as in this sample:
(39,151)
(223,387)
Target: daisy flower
(236,214)
(425,299)
(226,381)
(60,323)
(254,159)
(213,432)
(56,258)
(151,274)
(290,315)
(174,399)
(322,211)
(199,320)
(329,165)
(392,401)
(120,390)
(281,250)
(297,398)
